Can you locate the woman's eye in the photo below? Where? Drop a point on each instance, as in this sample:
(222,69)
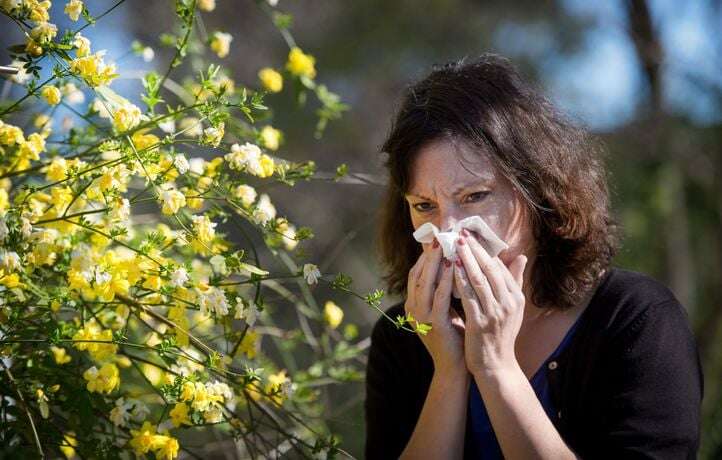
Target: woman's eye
(476,196)
(422,207)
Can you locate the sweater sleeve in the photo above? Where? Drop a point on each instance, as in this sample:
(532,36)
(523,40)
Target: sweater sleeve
(383,398)
(652,408)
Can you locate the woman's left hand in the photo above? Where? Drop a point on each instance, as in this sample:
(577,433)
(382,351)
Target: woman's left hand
(493,302)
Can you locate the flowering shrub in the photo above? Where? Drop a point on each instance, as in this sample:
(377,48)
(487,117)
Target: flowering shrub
(121,335)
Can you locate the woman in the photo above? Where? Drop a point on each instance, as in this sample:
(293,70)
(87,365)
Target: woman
(553,352)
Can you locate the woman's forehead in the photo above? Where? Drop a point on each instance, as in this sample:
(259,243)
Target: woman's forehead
(450,165)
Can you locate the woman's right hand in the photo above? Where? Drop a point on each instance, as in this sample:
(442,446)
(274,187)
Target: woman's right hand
(431,303)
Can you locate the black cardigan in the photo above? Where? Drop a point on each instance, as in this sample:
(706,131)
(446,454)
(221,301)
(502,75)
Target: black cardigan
(628,385)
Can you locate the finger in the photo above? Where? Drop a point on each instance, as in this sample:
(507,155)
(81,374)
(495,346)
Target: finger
(517,267)
(476,277)
(469,300)
(457,321)
(442,295)
(490,266)
(411,281)
(427,280)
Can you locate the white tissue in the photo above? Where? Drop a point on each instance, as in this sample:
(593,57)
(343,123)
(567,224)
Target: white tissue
(489,240)
(492,243)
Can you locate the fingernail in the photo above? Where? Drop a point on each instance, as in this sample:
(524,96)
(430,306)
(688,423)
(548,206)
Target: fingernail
(436,244)
(447,262)
(460,241)
(458,262)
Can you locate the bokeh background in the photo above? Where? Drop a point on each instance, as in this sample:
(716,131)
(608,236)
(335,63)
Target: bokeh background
(645,75)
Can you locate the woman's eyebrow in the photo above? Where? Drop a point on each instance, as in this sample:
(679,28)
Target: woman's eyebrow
(456,191)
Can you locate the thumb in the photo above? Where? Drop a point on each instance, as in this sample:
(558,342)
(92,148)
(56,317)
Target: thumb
(517,268)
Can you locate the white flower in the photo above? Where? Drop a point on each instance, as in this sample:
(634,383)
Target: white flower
(4,230)
(248,313)
(179,277)
(246,194)
(265,211)
(213,135)
(73,9)
(213,415)
(197,165)
(140,410)
(213,299)
(102,277)
(72,94)
(167,126)
(148,54)
(218,262)
(181,164)
(311,273)
(121,212)
(191,126)
(119,414)
(26,228)
(101,108)
(22,76)
(82,44)
(9,260)
(44,32)
(246,156)
(272,2)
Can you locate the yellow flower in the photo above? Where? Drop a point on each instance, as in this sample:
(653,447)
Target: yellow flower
(10,134)
(143,141)
(179,415)
(57,169)
(32,147)
(144,439)
(104,380)
(301,64)
(51,94)
(126,117)
(270,79)
(207,5)
(60,354)
(221,43)
(332,314)
(93,69)
(277,383)
(204,232)
(168,449)
(38,10)
(267,166)
(188,390)
(82,45)
(271,137)
(73,9)
(96,341)
(248,344)
(172,200)
(68,444)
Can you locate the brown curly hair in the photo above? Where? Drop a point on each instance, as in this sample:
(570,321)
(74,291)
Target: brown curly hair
(556,165)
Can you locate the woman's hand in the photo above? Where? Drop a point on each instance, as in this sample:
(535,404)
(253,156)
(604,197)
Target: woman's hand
(428,302)
(493,302)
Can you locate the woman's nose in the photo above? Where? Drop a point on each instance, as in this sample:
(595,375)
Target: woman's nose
(447,220)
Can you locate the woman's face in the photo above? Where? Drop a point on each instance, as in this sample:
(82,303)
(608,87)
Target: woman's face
(450,181)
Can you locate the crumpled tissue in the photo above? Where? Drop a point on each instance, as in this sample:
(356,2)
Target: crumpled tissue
(447,240)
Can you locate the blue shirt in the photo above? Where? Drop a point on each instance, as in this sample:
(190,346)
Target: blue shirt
(484,444)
